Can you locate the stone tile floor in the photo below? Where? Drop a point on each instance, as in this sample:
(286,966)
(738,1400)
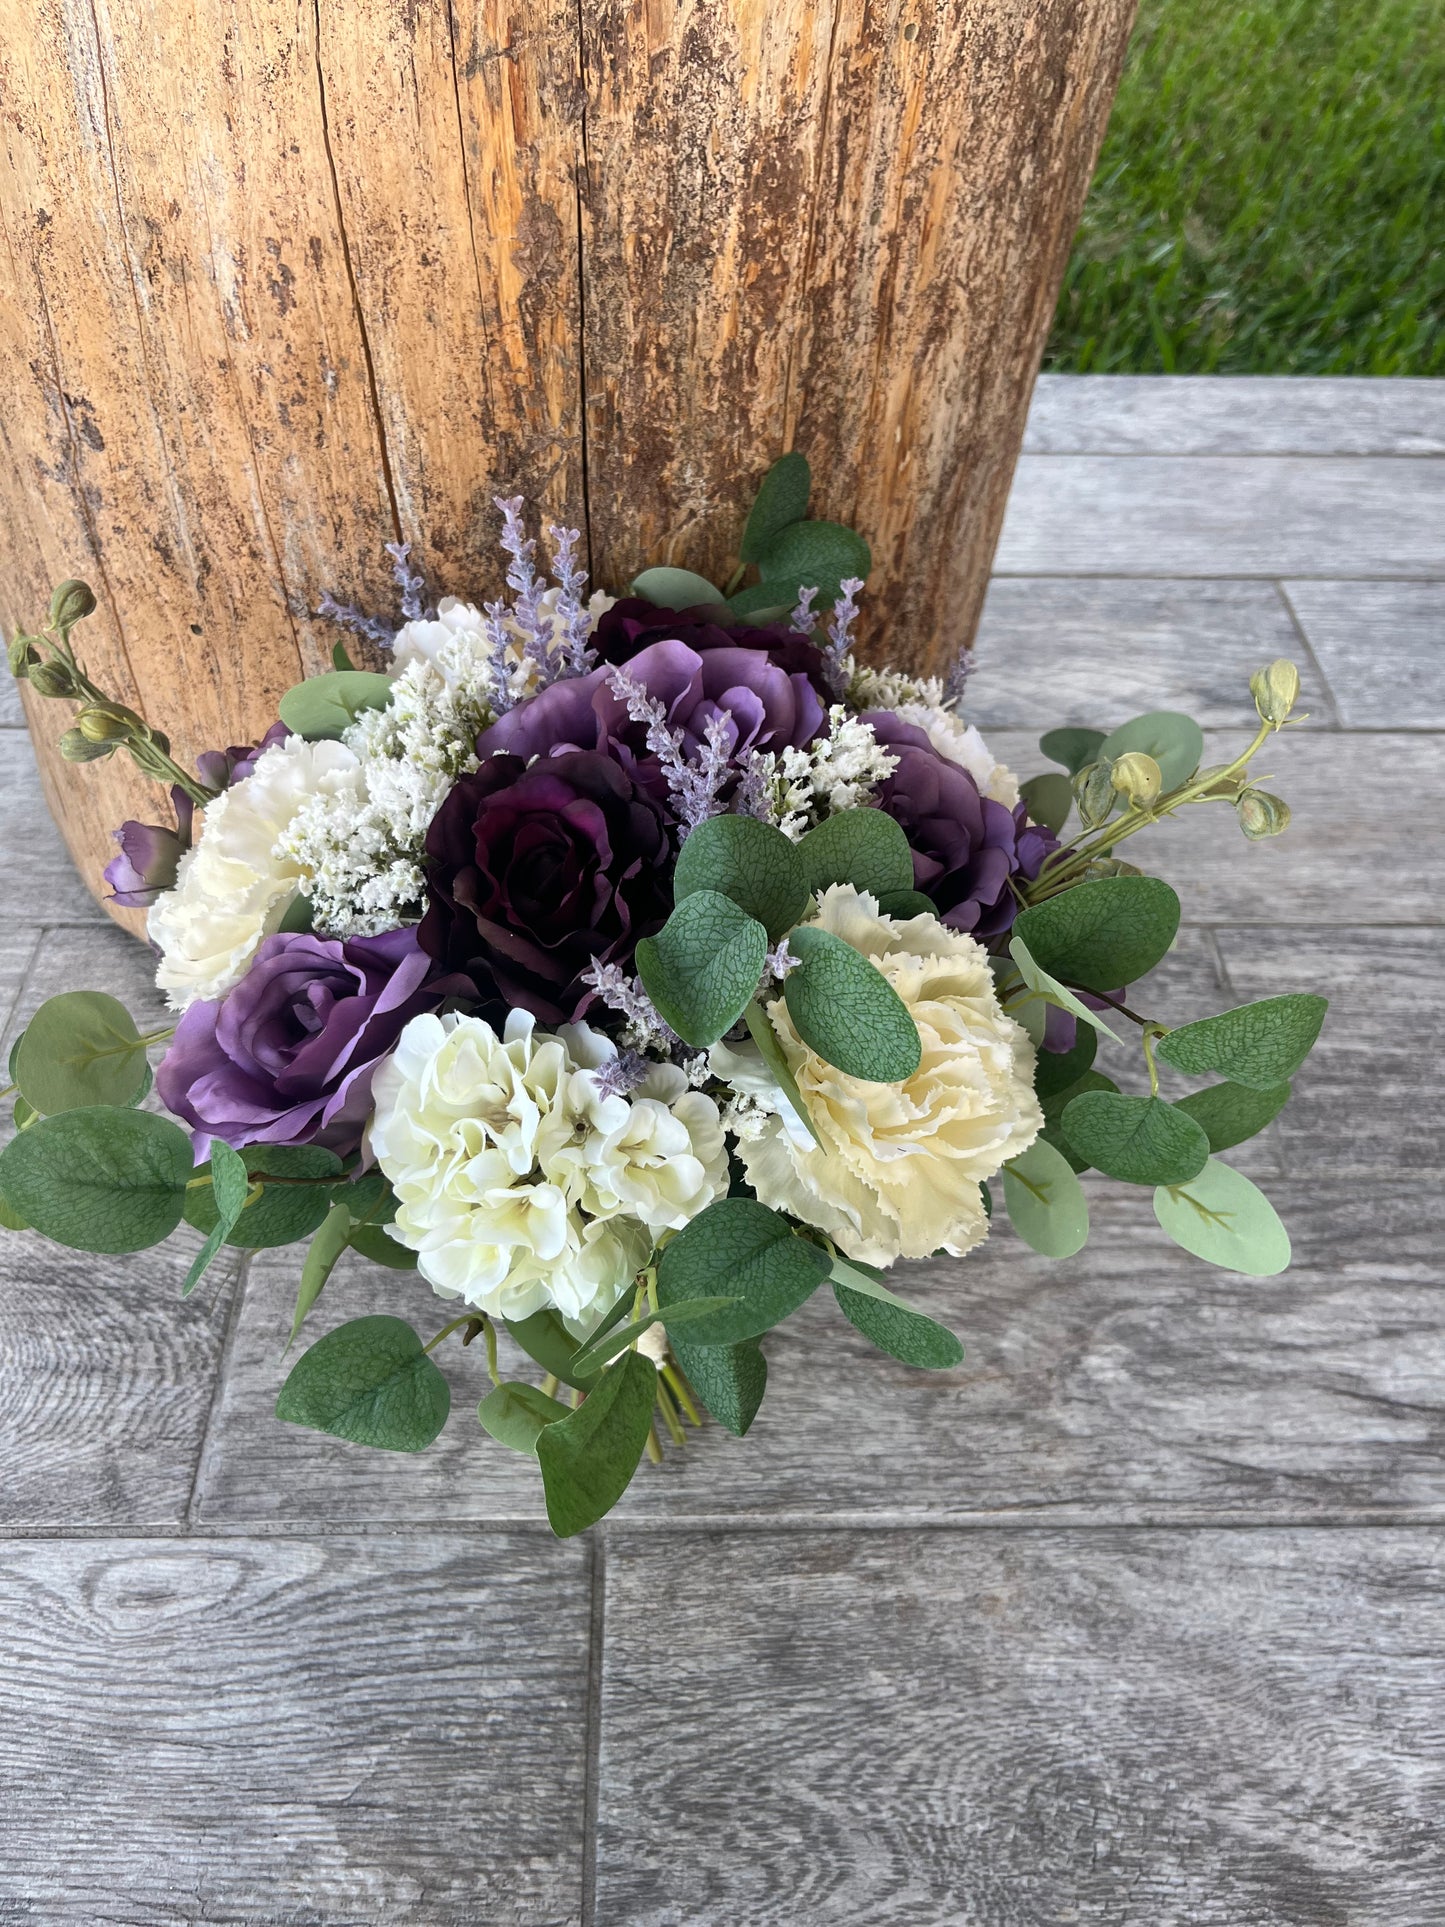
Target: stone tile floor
(1137,1617)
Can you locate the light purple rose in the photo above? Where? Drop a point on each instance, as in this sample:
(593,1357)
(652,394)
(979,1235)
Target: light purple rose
(288,1056)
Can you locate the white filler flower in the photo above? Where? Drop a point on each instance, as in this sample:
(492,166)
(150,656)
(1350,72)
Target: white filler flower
(900,1165)
(520,1184)
(235,885)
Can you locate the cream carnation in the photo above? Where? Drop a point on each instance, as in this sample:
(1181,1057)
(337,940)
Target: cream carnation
(235,885)
(898,1171)
(520,1182)
(961,743)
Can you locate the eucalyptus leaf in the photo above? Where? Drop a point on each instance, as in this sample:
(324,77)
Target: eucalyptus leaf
(80,1050)
(323,707)
(702,968)
(374,1241)
(1074,748)
(284,1214)
(547,1341)
(1230,1113)
(1102,935)
(1046,1203)
(299,919)
(1057,1070)
(1140,1140)
(729,1379)
(1048,799)
(769,601)
(105,1180)
(1223,1218)
(230,1186)
(751,863)
(782,499)
(761,1031)
(594,1355)
(864,847)
(739,1249)
(1175,741)
(589,1457)
(675,589)
(821,552)
(845,1009)
(894,1326)
(1055,1104)
(369,1381)
(1261,1045)
(322,1254)
(516,1414)
(1053,992)
(907,903)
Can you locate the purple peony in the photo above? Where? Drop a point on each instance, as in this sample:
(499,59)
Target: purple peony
(287,1057)
(966,847)
(533,872)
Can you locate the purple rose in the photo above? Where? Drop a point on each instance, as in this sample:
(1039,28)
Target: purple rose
(632,625)
(966,847)
(288,1056)
(535,871)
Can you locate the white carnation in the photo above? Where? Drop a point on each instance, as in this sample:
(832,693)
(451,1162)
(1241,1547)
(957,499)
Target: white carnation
(235,885)
(898,1171)
(962,744)
(520,1185)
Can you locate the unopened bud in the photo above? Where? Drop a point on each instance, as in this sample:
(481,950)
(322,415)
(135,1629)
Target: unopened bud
(1275,690)
(76,748)
(70,602)
(1137,776)
(51,679)
(1094,793)
(22,654)
(1261,814)
(1110,866)
(102,726)
(1220,779)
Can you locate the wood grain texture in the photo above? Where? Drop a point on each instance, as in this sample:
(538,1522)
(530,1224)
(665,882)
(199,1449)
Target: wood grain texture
(839,229)
(1234,415)
(1007,1730)
(346,1732)
(1382,646)
(366,268)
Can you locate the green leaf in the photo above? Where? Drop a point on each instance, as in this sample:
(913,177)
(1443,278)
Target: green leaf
(1053,992)
(99,1180)
(907,903)
(369,1381)
(299,917)
(1230,1113)
(675,589)
(1057,1070)
(321,1259)
(893,1326)
(10,1218)
(374,1241)
(341,656)
(323,707)
(729,1379)
(702,967)
(547,1341)
(284,1214)
(79,1051)
(767,601)
(738,1248)
(1261,1045)
(589,1457)
(1102,935)
(1221,1217)
(1140,1140)
(516,1414)
(749,862)
(845,1009)
(1048,799)
(1057,1102)
(230,1185)
(1074,748)
(596,1353)
(1045,1200)
(863,847)
(821,552)
(782,499)
(761,1031)
(1176,743)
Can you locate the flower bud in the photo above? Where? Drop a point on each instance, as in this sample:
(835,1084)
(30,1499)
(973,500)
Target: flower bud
(21,653)
(70,602)
(1110,866)
(1094,793)
(1275,690)
(1219,779)
(1261,814)
(1137,776)
(76,748)
(102,726)
(51,679)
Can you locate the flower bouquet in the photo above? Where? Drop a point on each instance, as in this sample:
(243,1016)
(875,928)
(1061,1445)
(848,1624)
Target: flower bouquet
(631,969)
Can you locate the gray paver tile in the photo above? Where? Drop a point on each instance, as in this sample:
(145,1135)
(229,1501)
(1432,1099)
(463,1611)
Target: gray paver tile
(1381,646)
(1235,415)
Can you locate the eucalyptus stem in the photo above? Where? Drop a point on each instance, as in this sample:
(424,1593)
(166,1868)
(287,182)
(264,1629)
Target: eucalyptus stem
(468,1318)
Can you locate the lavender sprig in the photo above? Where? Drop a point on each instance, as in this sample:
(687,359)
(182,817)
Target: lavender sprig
(526,585)
(383,634)
(412,586)
(622,1073)
(694,786)
(631,1002)
(802,619)
(956,680)
(577,655)
(840,634)
(754,793)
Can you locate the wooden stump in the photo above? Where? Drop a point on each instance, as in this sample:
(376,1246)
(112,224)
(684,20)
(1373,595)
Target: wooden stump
(286,279)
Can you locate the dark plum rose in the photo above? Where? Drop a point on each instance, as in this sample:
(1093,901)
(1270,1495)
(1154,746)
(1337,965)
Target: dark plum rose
(149,854)
(632,625)
(288,1056)
(965,846)
(534,872)
(763,705)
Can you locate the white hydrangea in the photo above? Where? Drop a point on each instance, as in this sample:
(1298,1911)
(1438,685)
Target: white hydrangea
(236,883)
(521,1185)
(961,743)
(838,771)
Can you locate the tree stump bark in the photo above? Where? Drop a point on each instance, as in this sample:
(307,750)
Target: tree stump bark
(286,279)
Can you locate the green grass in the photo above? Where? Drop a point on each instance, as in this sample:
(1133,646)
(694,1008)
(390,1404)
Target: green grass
(1270,198)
